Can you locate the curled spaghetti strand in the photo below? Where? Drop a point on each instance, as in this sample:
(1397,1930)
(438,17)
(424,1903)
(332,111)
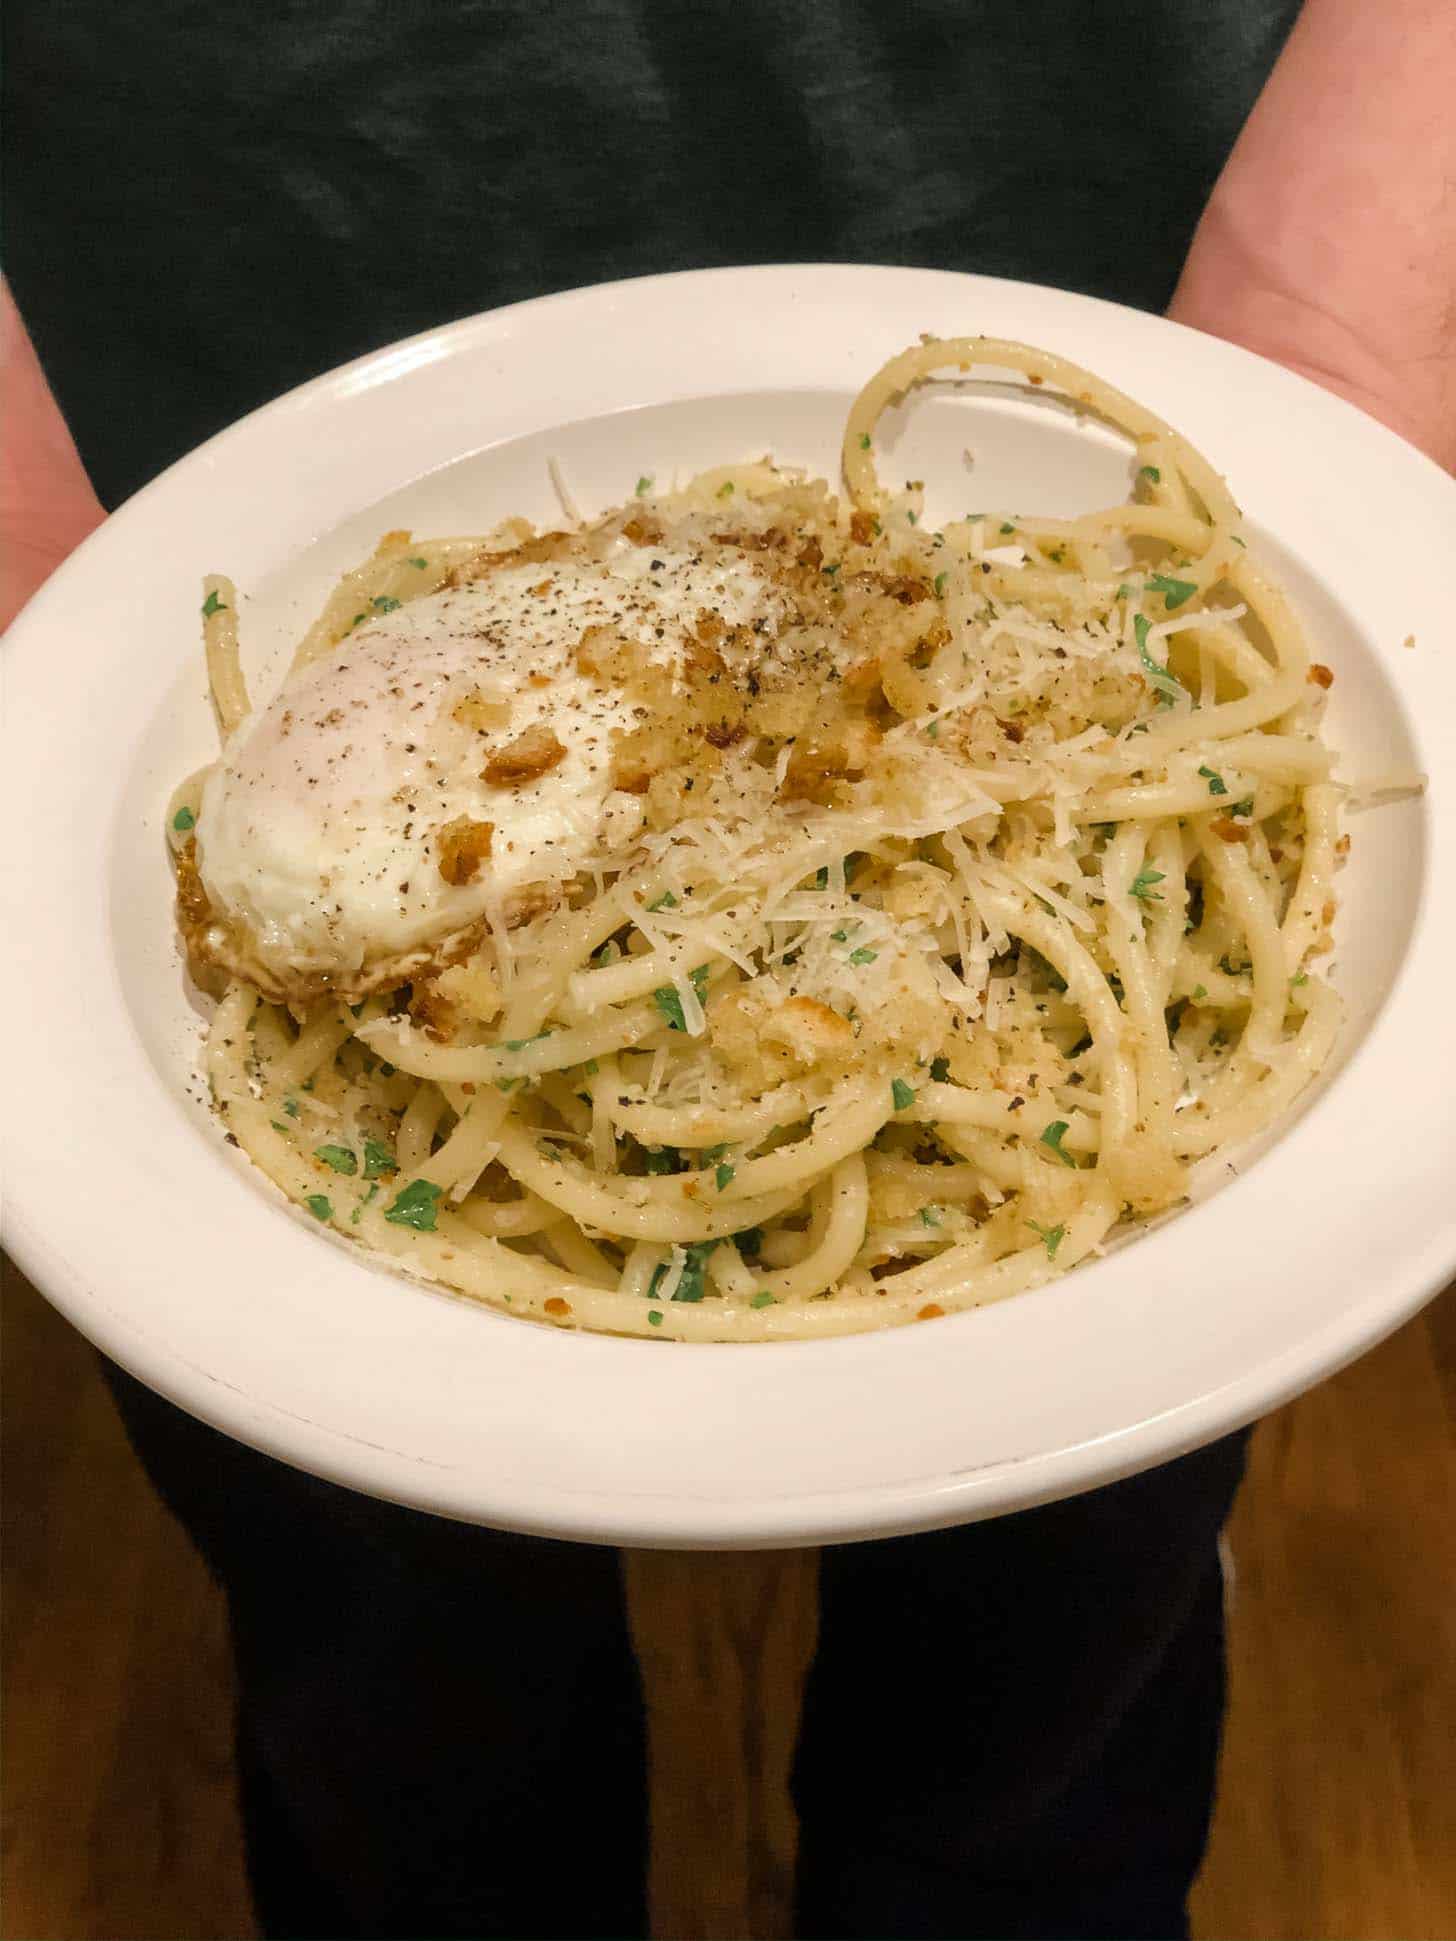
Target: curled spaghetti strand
(959,959)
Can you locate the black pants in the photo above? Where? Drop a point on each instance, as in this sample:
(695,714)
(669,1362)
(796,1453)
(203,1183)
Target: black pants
(1009,1730)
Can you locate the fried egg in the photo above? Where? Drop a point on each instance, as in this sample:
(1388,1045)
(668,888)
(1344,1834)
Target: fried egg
(446,762)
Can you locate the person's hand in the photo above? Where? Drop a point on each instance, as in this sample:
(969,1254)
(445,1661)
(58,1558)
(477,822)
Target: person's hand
(47,506)
(1329,243)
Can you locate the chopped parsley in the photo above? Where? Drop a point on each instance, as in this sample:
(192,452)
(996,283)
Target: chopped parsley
(610,951)
(339,1158)
(1200,991)
(725,491)
(1216,784)
(667,901)
(1168,685)
(1008,527)
(212,605)
(930,1216)
(520,1044)
(183,821)
(913,517)
(939,584)
(591,1068)
(368,1200)
(661,1159)
(851,864)
(690,1286)
(763,1299)
(278,1126)
(940,1070)
(1141,886)
(668,1002)
(1295,982)
(1051,1237)
(1174,592)
(654,1317)
(644,485)
(830,570)
(378,1159)
(420,563)
(722,1174)
(863,955)
(415,1206)
(320,1206)
(508,1084)
(932,733)
(1124,592)
(1052,1139)
(1244,808)
(384,603)
(290,1106)
(902,1093)
(864,441)
(1150,472)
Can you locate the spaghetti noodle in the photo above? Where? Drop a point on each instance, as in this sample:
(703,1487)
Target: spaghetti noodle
(948,930)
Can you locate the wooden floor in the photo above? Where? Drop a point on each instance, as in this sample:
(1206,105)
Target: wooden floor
(1337,1814)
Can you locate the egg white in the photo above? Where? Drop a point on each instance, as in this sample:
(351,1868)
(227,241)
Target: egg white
(317,832)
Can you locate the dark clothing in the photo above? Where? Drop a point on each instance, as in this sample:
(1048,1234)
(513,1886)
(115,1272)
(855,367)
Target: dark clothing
(209,204)
(1010,1730)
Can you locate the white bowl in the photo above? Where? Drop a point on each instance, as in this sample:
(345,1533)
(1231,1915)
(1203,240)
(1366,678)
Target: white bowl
(163,1246)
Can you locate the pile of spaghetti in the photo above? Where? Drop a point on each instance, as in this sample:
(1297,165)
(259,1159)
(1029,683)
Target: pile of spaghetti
(944,938)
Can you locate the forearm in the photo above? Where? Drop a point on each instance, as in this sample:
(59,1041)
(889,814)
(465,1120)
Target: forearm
(1329,243)
(47,506)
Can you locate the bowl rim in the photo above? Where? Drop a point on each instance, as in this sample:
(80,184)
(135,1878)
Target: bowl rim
(82,1243)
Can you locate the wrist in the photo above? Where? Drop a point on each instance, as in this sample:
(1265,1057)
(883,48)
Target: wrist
(1228,297)
(47,506)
